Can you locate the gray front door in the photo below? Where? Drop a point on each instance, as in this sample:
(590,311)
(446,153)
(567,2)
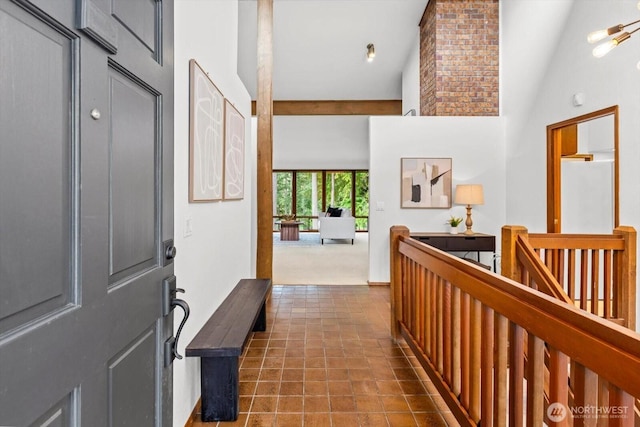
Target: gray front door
(86,208)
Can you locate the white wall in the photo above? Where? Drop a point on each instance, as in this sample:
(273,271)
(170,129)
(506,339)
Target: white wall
(607,81)
(411,78)
(320,142)
(476,146)
(220,251)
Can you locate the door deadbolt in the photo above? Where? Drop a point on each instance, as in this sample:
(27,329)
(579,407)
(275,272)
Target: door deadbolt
(170,252)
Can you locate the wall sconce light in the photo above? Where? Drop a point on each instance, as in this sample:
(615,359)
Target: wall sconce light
(606,47)
(469,194)
(371,52)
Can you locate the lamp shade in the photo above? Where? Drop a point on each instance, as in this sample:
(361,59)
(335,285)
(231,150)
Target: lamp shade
(469,194)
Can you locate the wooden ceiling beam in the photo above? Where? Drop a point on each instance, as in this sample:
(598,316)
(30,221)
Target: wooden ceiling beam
(385,107)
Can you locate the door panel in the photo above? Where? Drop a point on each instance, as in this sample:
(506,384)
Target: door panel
(140,19)
(60,414)
(133,185)
(133,405)
(35,260)
(86,202)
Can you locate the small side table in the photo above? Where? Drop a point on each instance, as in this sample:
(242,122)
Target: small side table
(290,230)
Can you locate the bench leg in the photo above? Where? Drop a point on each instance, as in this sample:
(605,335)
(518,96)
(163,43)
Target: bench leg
(261,321)
(220,388)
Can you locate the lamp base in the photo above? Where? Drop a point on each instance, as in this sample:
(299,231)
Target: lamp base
(468,222)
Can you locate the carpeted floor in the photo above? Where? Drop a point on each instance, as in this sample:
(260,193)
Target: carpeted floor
(307,262)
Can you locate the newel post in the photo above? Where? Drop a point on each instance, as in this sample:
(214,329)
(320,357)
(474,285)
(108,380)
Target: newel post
(396,232)
(510,266)
(625,265)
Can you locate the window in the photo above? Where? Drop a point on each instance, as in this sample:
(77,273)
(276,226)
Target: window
(308,199)
(362,200)
(306,193)
(282,195)
(339,186)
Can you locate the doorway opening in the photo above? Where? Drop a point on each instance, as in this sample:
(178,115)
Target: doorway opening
(300,198)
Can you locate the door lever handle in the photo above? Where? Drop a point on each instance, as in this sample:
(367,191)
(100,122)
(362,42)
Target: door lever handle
(169,302)
(176,302)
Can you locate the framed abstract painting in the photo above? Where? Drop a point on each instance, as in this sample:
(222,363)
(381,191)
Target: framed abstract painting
(233,153)
(425,182)
(206,115)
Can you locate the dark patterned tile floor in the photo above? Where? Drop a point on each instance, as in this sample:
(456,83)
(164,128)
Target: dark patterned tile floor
(327,359)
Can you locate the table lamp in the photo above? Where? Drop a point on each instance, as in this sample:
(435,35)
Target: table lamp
(469,194)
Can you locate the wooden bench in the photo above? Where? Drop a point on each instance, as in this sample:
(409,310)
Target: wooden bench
(220,343)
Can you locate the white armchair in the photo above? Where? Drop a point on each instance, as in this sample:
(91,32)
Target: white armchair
(343,227)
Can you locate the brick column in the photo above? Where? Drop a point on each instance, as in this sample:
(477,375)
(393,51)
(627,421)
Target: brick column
(459,54)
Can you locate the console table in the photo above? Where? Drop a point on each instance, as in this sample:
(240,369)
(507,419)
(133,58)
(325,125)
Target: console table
(476,242)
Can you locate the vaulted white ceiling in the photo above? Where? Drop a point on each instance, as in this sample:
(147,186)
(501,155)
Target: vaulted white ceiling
(320,47)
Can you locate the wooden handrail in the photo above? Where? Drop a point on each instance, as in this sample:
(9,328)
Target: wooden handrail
(540,275)
(577,241)
(471,329)
(597,271)
(568,329)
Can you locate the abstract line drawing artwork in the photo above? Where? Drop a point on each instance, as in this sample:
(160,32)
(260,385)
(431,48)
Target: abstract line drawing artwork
(233,153)
(206,115)
(426,183)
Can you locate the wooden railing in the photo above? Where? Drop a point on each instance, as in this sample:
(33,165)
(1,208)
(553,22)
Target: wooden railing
(483,340)
(597,272)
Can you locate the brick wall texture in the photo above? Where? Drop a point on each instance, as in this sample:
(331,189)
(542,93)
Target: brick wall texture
(459,51)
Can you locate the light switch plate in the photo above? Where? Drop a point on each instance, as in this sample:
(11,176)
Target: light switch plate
(188,227)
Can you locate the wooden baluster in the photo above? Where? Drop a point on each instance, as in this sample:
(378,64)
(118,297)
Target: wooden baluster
(603,398)
(411,298)
(535,381)
(456,341)
(516,375)
(606,277)
(421,308)
(475,360)
(621,403)
(439,326)
(500,371)
(526,280)
(585,391)
(549,260)
(465,350)
(558,381)
(595,280)
(429,315)
(416,301)
(424,310)
(560,267)
(571,274)
(405,289)
(583,279)
(434,320)
(486,371)
(446,331)
(410,281)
